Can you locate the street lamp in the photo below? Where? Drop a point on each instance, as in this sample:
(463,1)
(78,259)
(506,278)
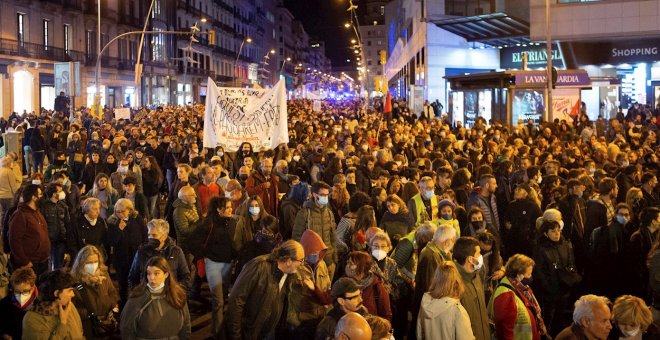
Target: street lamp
(284,62)
(203,19)
(246,40)
(272,51)
(347,25)
(353,41)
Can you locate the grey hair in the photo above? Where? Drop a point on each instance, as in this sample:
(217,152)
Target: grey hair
(443,233)
(159,224)
(425,231)
(584,307)
(87,204)
(124,204)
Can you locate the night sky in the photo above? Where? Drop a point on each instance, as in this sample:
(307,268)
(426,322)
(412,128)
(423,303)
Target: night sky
(324,20)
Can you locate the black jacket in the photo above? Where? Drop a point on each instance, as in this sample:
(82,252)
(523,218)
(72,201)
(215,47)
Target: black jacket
(256,286)
(522,236)
(215,236)
(363,180)
(171,252)
(551,258)
(126,242)
(57,218)
(83,233)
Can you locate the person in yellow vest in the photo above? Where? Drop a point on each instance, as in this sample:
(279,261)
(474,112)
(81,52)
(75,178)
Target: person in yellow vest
(424,206)
(513,308)
(447,217)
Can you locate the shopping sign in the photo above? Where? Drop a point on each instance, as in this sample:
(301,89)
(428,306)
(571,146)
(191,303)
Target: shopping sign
(234,115)
(564,78)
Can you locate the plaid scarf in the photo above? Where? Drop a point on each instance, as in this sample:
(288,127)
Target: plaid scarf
(530,303)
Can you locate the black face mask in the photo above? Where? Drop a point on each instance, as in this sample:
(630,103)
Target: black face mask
(152,243)
(242,177)
(476,225)
(59,162)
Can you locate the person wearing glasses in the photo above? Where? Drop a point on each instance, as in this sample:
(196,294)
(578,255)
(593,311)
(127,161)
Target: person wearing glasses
(264,281)
(13,307)
(347,298)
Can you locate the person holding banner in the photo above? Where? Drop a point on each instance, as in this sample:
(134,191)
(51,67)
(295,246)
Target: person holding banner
(264,184)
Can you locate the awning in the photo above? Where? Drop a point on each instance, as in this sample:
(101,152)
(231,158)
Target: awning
(495,29)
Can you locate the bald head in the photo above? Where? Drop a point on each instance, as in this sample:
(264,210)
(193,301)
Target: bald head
(187,194)
(352,326)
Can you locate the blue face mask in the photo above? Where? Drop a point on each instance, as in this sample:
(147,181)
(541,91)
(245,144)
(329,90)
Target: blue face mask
(446,216)
(323,200)
(313,259)
(428,194)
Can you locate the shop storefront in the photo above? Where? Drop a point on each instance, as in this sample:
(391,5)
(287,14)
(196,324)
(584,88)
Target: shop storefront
(511,96)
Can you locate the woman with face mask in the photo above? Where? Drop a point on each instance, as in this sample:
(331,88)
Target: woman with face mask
(54,313)
(397,284)
(375,296)
(633,320)
(556,275)
(248,222)
(513,307)
(265,239)
(96,297)
(157,308)
(23,294)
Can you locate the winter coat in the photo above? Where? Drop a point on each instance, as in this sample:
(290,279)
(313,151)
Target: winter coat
(474,302)
(12,316)
(117,181)
(288,211)
(487,205)
(215,238)
(151,182)
(256,286)
(90,172)
(9,183)
(443,318)
(125,242)
(98,299)
(171,252)
(397,226)
(522,236)
(28,236)
(376,299)
(255,185)
(83,233)
(57,219)
(42,323)
(141,205)
(150,316)
(429,259)
(320,220)
(551,258)
(185,217)
(302,304)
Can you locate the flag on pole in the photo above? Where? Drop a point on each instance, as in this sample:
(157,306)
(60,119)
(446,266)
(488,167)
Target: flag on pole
(388,103)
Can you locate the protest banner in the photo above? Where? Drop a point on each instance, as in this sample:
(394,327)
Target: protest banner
(317,106)
(234,115)
(123,113)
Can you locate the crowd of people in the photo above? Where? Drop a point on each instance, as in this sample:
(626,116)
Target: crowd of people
(366,225)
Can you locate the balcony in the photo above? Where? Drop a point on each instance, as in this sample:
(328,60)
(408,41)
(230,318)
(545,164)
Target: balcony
(110,62)
(38,51)
(196,71)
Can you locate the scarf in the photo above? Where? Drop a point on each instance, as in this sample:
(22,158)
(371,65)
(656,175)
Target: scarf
(532,303)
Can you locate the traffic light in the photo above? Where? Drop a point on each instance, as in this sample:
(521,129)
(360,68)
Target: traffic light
(212,37)
(383,57)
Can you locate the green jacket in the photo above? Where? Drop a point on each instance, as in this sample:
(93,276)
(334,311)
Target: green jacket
(429,259)
(185,218)
(474,302)
(321,221)
(46,325)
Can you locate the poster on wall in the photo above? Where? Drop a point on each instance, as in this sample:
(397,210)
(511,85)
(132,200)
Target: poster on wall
(63,79)
(565,104)
(457,107)
(485,105)
(471,108)
(527,104)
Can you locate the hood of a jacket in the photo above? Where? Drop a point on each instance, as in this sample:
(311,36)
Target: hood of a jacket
(432,308)
(313,243)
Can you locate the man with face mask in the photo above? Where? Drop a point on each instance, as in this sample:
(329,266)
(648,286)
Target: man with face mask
(424,206)
(56,213)
(264,184)
(13,307)
(159,244)
(316,215)
(484,198)
(468,258)
(305,312)
(59,165)
(123,171)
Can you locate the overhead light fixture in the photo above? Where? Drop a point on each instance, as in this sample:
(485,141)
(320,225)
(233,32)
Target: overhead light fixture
(347,25)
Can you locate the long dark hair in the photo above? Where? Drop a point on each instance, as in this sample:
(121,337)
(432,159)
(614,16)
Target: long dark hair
(155,168)
(174,294)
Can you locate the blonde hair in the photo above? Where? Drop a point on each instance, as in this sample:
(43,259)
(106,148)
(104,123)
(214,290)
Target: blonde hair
(517,264)
(78,267)
(380,236)
(446,282)
(125,204)
(632,310)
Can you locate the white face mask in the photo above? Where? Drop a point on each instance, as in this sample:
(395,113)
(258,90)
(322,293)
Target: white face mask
(90,268)
(561,225)
(379,254)
(539,180)
(228,194)
(296,158)
(61,195)
(632,333)
(254,211)
(122,169)
(23,298)
(156,289)
(480,262)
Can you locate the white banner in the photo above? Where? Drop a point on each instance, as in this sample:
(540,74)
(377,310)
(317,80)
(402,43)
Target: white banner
(123,113)
(317,106)
(234,115)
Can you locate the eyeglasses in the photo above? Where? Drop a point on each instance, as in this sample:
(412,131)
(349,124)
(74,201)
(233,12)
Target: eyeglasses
(301,261)
(352,297)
